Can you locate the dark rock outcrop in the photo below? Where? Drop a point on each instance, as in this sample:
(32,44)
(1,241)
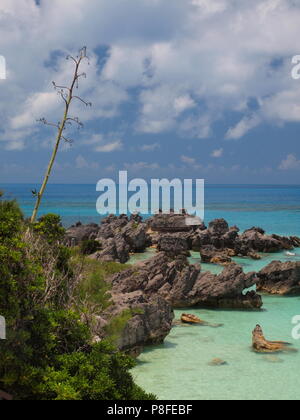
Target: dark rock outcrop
(210,254)
(280,278)
(183,285)
(113,249)
(118,236)
(174,223)
(150,321)
(173,244)
(222,237)
(139,234)
(78,233)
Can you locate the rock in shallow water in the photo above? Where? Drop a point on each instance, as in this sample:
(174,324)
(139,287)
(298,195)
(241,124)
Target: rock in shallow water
(280,278)
(217,362)
(191,319)
(184,285)
(261,345)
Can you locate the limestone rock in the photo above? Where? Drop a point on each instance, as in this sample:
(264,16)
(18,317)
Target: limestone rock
(280,278)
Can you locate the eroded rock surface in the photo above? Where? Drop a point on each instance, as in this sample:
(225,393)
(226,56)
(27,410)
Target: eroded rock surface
(184,285)
(261,345)
(280,278)
(150,321)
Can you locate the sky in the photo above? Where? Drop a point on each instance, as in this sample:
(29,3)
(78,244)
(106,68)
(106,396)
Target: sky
(181,88)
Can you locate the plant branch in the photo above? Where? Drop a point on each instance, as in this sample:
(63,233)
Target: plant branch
(67,97)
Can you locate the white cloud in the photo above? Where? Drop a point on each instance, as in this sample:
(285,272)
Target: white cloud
(150,147)
(290,163)
(191,60)
(182,103)
(141,166)
(104,145)
(188,160)
(81,162)
(243,127)
(218,153)
(109,147)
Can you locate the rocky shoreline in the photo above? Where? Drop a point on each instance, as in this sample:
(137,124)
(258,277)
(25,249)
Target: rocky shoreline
(153,288)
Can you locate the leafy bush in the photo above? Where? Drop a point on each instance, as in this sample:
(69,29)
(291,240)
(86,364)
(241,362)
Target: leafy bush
(10,220)
(48,353)
(98,374)
(50,227)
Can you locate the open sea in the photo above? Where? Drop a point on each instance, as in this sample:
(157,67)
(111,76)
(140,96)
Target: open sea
(180,368)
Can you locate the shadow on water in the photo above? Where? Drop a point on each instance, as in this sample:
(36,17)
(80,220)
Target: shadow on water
(167,345)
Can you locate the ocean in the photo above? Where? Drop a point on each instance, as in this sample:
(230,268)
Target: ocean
(275,208)
(180,368)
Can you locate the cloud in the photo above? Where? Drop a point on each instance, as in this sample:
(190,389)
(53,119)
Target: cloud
(150,147)
(290,163)
(188,160)
(217,153)
(243,127)
(109,147)
(185,63)
(81,162)
(104,145)
(141,166)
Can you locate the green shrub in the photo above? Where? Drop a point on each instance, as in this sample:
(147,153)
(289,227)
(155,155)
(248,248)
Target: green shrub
(10,219)
(50,227)
(98,374)
(48,353)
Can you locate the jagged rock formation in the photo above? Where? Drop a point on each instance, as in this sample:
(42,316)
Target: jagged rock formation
(172,222)
(113,249)
(183,285)
(173,244)
(217,244)
(261,345)
(118,237)
(254,240)
(149,324)
(210,254)
(79,232)
(280,278)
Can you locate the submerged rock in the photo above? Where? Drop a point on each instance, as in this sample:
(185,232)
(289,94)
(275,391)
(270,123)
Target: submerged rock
(272,359)
(217,362)
(280,278)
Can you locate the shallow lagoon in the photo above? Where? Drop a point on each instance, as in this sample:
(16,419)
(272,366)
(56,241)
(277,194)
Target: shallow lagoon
(179,368)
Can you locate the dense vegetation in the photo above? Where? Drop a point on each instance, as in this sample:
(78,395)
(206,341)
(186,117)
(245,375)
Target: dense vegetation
(48,353)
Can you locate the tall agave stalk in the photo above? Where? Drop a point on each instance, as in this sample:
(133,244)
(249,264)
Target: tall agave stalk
(67,95)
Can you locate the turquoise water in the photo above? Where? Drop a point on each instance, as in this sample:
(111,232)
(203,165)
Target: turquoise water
(276,208)
(179,369)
